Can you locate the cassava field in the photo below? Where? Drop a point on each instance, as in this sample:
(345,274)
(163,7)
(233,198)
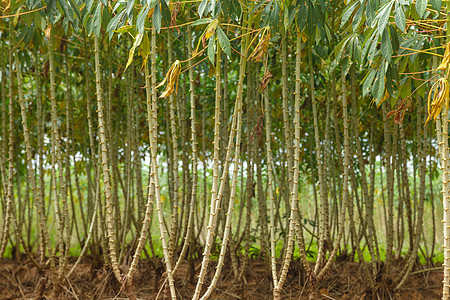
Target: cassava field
(224,149)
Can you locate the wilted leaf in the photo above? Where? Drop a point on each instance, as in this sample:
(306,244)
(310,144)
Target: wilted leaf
(173,18)
(446,59)
(437,97)
(262,46)
(171,79)
(265,80)
(48,31)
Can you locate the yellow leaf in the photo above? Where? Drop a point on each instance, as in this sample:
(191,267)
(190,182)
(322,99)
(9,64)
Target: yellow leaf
(440,93)
(304,39)
(446,59)
(171,79)
(7,4)
(262,46)
(48,31)
(211,28)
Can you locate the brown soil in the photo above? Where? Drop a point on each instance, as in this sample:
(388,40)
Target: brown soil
(22,280)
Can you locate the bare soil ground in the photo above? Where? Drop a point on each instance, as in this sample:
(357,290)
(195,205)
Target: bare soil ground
(345,280)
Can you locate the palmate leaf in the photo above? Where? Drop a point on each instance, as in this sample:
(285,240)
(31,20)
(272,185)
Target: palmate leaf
(89,24)
(289,15)
(372,50)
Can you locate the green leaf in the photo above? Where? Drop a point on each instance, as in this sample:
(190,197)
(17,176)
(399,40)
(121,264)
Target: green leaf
(368,81)
(400,18)
(66,10)
(97,23)
(383,17)
(266,14)
(140,20)
(232,9)
(130,5)
(153,3)
(211,52)
(88,6)
(137,42)
(386,46)
(436,4)
(348,13)
(201,22)
(302,16)
(144,48)
(405,88)
(394,39)
(166,15)
(345,65)
(258,6)
(113,24)
(358,19)
(381,86)
(223,41)
(75,9)
(32,3)
(89,24)
(157,19)
(274,17)
(372,50)
(421,7)
(202,7)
